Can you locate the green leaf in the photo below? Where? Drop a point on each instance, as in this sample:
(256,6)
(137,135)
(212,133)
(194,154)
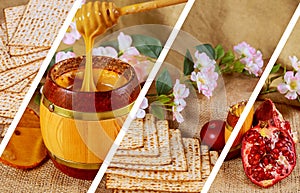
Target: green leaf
(163,83)
(219,52)
(238,67)
(208,49)
(147,45)
(228,58)
(275,68)
(188,63)
(157,110)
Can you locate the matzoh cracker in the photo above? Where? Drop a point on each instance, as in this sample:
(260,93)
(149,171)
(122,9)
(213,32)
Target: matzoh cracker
(164,156)
(5,121)
(214,155)
(151,144)
(13,16)
(9,104)
(38,28)
(150,140)
(25,59)
(178,164)
(5,60)
(13,76)
(131,183)
(4,129)
(19,87)
(192,152)
(3,34)
(134,137)
(205,163)
(140,191)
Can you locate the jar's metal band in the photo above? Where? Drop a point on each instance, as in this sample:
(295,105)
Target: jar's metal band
(96,116)
(77,165)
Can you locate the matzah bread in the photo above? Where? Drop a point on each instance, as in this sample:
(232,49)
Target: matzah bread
(134,137)
(214,155)
(131,183)
(178,164)
(3,33)
(8,62)
(35,28)
(164,156)
(9,104)
(128,183)
(138,191)
(151,144)
(5,60)
(4,129)
(13,76)
(25,59)
(192,151)
(13,16)
(5,121)
(205,163)
(19,87)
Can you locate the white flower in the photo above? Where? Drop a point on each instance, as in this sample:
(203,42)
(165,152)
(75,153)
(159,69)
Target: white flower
(124,41)
(203,62)
(251,57)
(64,55)
(180,93)
(206,81)
(71,35)
(141,111)
(295,63)
(291,86)
(105,51)
(125,48)
(176,113)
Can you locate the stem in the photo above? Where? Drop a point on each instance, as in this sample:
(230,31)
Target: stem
(268,91)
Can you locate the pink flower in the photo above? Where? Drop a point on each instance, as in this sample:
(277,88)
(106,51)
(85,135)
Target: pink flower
(105,51)
(180,92)
(64,55)
(71,35)
(141,111)
(203,61)
(251,57)
(141,64)
(125,48)
(176,113)
(295,63)
(291,86)
(206,81)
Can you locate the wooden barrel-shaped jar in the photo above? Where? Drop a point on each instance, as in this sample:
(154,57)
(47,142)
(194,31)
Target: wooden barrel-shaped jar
(78,128)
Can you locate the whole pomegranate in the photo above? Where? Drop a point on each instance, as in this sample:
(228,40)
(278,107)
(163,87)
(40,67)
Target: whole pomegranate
(212,134)
(268,154)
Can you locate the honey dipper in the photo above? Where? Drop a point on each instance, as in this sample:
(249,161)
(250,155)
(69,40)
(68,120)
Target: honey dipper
(94,18)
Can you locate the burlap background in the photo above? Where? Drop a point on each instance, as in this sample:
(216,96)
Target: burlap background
(260,23)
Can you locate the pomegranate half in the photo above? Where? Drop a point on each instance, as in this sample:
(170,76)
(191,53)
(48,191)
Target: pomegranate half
(268,154)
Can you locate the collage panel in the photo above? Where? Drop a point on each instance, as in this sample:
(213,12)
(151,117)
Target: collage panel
(278,100)
(71,121)
(201,91)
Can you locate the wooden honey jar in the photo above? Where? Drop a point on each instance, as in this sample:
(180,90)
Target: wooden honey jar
(78,128)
